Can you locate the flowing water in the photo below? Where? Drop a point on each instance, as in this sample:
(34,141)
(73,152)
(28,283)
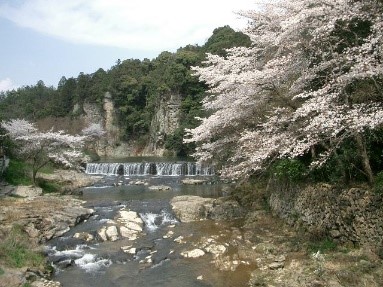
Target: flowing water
(156,259)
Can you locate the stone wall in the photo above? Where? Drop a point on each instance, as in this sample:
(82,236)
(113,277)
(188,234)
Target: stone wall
(346,215)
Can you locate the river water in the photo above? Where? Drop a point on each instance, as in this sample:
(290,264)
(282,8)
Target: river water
(156,259)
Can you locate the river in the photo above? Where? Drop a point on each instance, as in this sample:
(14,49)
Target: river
(154,258)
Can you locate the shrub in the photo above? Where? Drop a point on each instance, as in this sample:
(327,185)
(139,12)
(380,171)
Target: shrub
(323,245)
(17,173)
(290,170)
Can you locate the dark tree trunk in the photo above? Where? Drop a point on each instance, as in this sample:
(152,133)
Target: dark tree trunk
(364,158)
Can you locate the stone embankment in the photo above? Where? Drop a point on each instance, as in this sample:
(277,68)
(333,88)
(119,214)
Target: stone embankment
(353,215)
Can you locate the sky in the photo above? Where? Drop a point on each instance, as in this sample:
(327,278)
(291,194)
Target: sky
(47,39)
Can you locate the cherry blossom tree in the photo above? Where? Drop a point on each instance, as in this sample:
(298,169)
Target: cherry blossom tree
(311,80)
(42,147)
(93,133)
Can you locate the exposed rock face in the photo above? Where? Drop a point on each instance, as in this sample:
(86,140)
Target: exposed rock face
(164,122)
(42,217)
(191,208)
(351,215)
(71,180)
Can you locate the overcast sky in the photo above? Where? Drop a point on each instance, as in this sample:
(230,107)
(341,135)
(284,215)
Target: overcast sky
(48,39)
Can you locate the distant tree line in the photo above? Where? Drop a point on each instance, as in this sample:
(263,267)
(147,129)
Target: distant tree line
(136,87)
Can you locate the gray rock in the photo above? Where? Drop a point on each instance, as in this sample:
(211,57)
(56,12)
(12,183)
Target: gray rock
(27,191)
(276,265)
(160,187)
(191,208)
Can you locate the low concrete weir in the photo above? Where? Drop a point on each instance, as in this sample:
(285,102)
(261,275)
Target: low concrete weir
(150,168)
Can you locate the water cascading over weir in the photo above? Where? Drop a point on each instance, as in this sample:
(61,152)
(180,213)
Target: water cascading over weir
(150,168)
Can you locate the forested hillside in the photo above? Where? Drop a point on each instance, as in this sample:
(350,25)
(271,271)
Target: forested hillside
(136,87)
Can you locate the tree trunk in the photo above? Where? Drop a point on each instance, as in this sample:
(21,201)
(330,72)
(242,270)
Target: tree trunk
(342,168)
(364,158)
(34,173)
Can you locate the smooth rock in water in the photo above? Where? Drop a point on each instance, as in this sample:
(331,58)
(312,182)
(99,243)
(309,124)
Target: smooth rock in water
(160,187)
(128,233)
(179,239)
(191,181)
(27,191)
(129,216)
(112,233)
(102,234)
(191,208)
(133,226)
(129,249)
(216,249)
(83,236)
(195,253)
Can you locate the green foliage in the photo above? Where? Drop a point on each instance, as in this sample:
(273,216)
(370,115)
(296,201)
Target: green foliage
(378,184)
(290,170)
(324,245)
(225,38)
(48,186)
(174,142)
(2,271)
(15,250)
(18,173)
(344,166)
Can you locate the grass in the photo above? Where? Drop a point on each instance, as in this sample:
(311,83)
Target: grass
(16,252)
(48,186)
(324,245)
(18,173)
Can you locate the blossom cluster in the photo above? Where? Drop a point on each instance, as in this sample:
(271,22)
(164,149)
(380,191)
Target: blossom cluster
(312,77)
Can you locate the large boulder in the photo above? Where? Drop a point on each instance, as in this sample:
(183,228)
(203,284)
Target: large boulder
(27,191)
(192,208)
(127,224)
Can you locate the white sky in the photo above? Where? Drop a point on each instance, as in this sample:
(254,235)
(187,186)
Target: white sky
(121,28)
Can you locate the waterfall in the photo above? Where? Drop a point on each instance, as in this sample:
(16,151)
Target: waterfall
(150,168)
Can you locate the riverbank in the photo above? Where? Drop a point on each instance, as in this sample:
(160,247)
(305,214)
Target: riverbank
(29,218)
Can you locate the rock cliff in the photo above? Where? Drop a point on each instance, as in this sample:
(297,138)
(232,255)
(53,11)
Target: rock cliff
(164,122)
